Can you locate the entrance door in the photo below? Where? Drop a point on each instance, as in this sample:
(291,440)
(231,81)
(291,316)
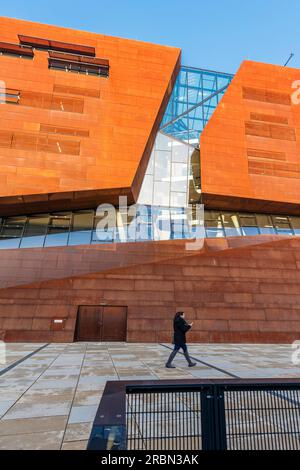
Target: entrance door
(89,319)
(114,324)
(101,323)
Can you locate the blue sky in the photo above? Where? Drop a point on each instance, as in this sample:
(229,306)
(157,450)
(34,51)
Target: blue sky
(215,35)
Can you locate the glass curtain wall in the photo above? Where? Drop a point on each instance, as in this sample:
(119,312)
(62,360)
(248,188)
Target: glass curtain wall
(80,227)
(166,182)
(196,94)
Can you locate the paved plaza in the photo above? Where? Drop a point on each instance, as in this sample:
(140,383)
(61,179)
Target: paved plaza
(49,394)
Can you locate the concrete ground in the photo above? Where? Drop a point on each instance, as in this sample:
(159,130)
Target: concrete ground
(49,394)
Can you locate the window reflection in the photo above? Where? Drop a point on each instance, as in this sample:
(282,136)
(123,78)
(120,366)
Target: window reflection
(265,224)
(250,231)
(213,224)
(231,225)
(58,230)
(9,243)
(282,225)
(80,227)
(248,224)
(295,223)
(35,231)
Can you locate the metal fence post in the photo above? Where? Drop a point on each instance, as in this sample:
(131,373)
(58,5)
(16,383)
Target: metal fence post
(207,418)
(109,427)
(220,419)
(213,422)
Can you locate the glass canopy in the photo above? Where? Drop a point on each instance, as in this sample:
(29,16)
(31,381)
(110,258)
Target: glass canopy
(196,94)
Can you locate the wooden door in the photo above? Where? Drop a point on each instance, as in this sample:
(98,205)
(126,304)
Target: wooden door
(114,323)
(89,323)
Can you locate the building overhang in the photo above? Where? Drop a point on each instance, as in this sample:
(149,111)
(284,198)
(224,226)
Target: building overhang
(119,115)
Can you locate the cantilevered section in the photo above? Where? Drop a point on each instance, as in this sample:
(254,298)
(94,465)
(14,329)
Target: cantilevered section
(250,149)
(114,90)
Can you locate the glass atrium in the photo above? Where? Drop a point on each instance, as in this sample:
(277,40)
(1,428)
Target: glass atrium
(195,96)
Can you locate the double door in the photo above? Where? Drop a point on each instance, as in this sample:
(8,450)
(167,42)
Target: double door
(101,323)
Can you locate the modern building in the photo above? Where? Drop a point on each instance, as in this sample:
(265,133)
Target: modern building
(90,123)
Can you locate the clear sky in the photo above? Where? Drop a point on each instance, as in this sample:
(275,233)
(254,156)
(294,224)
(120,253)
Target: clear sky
(216,34)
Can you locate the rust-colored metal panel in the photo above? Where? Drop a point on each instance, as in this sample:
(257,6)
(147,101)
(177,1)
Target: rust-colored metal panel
(117,116)
(239,289)
(89,323)
(250,148)
(101,323)
(114,323)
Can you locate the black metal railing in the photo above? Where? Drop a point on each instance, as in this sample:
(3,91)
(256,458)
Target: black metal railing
(188,415)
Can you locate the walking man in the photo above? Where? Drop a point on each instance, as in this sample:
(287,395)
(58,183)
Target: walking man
(180,329)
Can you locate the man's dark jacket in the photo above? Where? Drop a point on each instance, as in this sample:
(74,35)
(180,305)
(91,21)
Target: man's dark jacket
(180,328)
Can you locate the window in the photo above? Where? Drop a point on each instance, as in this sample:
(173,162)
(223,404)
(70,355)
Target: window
(282,225)
(231,224)
(105,229)
(81,230)
(265,224)
(86,69)
(35,231)
(16,50)
(295,223)
(49,44)
(13,227)
(248,224)
(58,229)
(11,231)
(161,194)
(9,96)
(213,224)
(78,64)
(80,227)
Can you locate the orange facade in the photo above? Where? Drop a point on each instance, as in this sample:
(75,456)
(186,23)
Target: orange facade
(73,140)
(71,137)
(240,289)
(250,148)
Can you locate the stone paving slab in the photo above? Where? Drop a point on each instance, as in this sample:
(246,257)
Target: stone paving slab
(32,425)
(43,441)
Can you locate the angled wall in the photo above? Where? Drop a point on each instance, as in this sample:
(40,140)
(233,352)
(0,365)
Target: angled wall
(235,290)
(250,148)
(70,136)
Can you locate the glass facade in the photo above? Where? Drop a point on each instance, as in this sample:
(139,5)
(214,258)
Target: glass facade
(195,96)
(107,225)
(169,174)
(172,177)
(229,224)
(84,227)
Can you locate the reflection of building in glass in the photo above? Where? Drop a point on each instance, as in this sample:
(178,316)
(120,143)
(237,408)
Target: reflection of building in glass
(80,227)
